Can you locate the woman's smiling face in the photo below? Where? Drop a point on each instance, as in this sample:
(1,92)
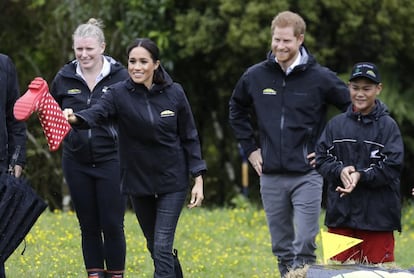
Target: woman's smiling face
(88,52)
(141,66)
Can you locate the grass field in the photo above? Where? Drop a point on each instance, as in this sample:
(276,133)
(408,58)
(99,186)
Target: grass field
(211,242)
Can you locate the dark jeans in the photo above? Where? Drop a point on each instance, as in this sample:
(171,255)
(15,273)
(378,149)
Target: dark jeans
(100,207)
(158,218)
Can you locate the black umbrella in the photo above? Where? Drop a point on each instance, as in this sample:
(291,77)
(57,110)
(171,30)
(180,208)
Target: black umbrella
(20,207)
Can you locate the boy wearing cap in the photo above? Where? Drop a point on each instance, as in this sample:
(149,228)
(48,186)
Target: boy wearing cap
(360,154)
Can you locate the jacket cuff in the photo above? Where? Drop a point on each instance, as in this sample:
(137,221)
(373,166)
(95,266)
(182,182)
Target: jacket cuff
(199,173)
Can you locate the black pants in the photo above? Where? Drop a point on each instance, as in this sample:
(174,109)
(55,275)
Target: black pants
(3,168)
(2,272)
(100,207)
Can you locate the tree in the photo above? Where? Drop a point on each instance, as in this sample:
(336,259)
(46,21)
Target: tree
(206,45)
(222,38)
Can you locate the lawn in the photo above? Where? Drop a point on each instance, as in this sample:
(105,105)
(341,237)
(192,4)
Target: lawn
(211,242)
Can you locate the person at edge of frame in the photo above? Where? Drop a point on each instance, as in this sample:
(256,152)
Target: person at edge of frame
(12,132)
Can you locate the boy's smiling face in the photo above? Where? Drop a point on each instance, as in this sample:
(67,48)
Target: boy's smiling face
(363,94)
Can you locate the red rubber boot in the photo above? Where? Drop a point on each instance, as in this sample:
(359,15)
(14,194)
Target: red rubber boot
(37,98)
(29,102)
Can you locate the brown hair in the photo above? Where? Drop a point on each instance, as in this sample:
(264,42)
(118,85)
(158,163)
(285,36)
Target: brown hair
(288,18)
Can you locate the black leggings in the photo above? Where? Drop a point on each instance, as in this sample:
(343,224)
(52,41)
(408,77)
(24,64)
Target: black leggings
(100,207)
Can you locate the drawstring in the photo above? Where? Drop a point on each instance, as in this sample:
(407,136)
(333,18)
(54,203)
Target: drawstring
(24,248)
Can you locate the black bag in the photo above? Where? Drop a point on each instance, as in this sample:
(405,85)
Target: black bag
(177,266)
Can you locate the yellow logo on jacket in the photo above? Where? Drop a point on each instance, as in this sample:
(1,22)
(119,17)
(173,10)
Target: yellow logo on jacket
(74,91)
(269,91)
(167,113)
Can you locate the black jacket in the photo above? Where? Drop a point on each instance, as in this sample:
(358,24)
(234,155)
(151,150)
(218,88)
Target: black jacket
(159,144)
(372,144)
(99,143)
(290,111)
(12,132)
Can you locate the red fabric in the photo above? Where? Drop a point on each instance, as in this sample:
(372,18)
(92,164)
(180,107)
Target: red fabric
(55,126)
(28,103)
(37,98)
(376,247)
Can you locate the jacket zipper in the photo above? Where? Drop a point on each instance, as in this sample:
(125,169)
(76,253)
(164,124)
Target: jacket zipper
(151,116)
(88,102)
(282,123)
(114,134)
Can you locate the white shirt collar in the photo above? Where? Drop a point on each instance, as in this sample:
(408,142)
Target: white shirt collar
(294,64)
(106,69)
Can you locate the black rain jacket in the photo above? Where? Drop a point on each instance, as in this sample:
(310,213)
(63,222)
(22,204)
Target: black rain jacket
(373,144)
(12,132)
(290,111)
(159,144)
(97,144)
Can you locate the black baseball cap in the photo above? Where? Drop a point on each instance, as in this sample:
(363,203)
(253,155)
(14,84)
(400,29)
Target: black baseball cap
(367,70)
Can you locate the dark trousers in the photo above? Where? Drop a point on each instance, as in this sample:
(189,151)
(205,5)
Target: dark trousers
(2,272)
(158,217)
(100,207)
(3,168)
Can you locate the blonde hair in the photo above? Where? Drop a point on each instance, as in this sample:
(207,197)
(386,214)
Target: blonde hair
(288,18)
(93,28)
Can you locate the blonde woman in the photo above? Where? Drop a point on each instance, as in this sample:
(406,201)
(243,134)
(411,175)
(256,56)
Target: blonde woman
(90,157)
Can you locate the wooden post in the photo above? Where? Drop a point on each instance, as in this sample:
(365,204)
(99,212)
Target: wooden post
(245,177)
(244,173)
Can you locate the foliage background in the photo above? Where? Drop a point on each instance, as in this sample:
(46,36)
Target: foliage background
(206,45)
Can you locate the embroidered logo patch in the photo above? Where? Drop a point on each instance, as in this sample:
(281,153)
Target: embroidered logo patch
(269,91)
(74,91)
(370,72)
(167,113)
(375,154)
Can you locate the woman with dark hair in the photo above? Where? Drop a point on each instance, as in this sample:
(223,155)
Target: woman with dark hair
(159,148)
